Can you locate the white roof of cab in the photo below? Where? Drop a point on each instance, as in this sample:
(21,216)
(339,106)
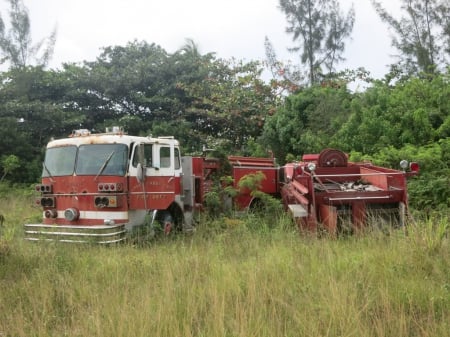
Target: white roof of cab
(108,138)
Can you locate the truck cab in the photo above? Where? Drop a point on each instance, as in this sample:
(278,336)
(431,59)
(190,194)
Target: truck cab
(97,187)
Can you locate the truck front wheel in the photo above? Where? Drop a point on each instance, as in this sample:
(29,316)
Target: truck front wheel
(167,223)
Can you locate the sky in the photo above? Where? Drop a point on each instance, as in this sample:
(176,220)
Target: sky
(230,28)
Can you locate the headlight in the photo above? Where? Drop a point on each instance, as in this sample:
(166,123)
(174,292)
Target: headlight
(48,202)
(71,214)
(51,213)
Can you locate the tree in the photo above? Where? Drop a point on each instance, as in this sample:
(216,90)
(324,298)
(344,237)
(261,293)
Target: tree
(9,164)
(285,76)
(16,44)
(230,104)
(320,28)
(35,105)
(416,112)
(190,95)
(422,36)
(307,121)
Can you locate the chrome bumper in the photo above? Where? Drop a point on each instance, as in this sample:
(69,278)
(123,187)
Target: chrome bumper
(102,234)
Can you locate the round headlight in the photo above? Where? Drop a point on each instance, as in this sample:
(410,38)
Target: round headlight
(71,214)
(50,213)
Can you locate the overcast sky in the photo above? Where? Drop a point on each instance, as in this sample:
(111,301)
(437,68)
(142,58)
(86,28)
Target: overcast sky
(230,28)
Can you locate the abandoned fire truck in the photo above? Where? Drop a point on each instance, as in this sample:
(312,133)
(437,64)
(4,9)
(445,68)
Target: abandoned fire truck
(99,187)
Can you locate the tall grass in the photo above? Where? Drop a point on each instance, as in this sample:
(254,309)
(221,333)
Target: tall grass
(233,277)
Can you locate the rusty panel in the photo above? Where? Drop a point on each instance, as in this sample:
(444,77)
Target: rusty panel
(251,161)
(310,157)
(79,192)
(358,214)
(376,180)
(155,200)
(197,166)
(338,174)
(159,192)
(268,185)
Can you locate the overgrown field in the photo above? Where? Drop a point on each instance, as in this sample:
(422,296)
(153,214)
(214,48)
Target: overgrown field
(231,278)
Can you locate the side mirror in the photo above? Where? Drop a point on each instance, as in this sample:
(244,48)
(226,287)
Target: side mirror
(140,173)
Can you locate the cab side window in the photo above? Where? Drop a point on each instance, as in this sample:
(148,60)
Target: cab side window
(164,155)
(148,155)
(177,159)
(146,152)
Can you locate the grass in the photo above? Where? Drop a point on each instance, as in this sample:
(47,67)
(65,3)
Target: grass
(231,278)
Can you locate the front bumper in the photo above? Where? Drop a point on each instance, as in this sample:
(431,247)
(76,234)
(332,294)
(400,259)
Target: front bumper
(102,234)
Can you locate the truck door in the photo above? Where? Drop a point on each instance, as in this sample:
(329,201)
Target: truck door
(152,176)
(164,160)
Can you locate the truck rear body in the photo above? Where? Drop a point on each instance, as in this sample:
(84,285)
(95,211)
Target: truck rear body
(327,191)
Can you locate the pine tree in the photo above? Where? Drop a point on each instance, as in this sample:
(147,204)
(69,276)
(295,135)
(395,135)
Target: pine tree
(16,45)
(320,28)
(422,36)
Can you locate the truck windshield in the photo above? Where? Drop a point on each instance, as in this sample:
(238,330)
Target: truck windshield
(59,161)
(101,159)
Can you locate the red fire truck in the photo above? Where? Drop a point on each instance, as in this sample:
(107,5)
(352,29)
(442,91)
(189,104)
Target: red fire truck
(99,187)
